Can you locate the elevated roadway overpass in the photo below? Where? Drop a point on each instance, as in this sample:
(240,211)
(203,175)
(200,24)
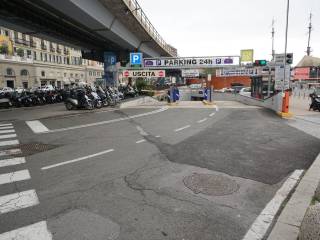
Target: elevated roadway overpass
(95,26)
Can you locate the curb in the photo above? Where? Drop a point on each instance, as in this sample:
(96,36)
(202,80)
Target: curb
(285,115)
(288,224)
(137,102)
(205,102)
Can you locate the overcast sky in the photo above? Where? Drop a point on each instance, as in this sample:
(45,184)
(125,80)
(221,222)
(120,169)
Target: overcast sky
(224,27)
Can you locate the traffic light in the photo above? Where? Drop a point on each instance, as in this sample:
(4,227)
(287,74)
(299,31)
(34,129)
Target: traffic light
(260,62)
(289,58)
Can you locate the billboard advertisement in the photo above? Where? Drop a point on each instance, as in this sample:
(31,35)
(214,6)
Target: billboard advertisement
(247,55)
(191,62)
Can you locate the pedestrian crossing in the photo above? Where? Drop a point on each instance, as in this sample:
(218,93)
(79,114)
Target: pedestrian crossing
(10,156)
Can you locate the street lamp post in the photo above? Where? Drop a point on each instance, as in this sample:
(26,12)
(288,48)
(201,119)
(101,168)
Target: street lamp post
(285,46)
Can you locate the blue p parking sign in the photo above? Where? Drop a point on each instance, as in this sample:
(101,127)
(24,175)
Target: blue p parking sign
(136,58)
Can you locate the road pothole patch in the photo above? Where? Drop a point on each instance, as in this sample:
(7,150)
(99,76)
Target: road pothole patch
(33,148)
(211,184)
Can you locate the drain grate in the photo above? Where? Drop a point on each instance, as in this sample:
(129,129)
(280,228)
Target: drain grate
(210,184)
(33,148)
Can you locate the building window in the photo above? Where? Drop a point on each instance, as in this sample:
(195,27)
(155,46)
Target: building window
(65,74)
(24,72)
(77,75)
(34,55)
(71,74)
(25,85)
(90,73)
(81,75)
(29,53)
(6,32)
(10,72)
(43,73)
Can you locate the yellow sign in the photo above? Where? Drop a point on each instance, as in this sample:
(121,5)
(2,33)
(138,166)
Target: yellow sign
(5,41)
(247,55)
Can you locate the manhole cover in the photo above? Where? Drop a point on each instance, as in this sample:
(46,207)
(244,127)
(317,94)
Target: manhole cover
(33,148)
(210,184)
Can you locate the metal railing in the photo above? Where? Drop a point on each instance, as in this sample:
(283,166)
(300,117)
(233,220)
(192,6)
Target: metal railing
(136,10)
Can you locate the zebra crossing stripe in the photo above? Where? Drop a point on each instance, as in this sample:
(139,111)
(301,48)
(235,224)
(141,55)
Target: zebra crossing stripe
(7,131)
(7,127)
(12,161)
(9,143)
(17,201)
(14,177)
(8,136)
(32,232)
(5,124)
(10,152)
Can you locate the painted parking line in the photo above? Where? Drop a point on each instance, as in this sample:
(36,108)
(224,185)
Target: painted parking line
(37,127)
(182,128)
(261,225)
(5,124)
(212,114)
(9,143)
(141,141)
(77,159)
(17,201)
(10,152)
(46,130)
(7,127)
(12,161)
(7,131)
(202,120)
(8,136)
(14,177)
(32,232)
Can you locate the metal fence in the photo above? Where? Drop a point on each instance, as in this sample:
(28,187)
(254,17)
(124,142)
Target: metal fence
(137,11)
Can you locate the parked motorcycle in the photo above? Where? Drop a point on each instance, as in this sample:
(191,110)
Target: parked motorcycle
(78,100)
(315,102)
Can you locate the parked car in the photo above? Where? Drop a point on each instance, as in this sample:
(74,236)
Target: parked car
(245,91)
(47,88)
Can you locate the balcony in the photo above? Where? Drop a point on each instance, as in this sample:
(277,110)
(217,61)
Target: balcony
(52,49)
(59,50)
(33,44)
(43,46)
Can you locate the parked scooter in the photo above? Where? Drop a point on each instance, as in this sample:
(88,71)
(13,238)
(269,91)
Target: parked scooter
(315,102)
(78,100)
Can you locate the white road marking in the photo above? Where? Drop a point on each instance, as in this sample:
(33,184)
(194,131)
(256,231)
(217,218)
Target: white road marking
(158,136)
(7,127)
(14,177)
(9,143)
(217,108)
(7,131)
(17,201)
(202,120)
(12,161)
(77,159)
(212,114)
(5,124)
(107,122)
(8,136)
(180,129)
(37,127)
(10,152)
(141,131)
(141,141)
(262,223)
(32,232)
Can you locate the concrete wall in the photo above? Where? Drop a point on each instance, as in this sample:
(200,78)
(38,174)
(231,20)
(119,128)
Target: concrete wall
(274,103)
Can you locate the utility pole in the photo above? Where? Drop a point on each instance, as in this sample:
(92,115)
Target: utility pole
(272,34)
(309,35)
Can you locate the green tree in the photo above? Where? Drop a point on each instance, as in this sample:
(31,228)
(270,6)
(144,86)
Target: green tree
(20,52)
(4,49)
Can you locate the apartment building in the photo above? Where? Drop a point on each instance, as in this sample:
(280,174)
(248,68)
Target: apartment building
(27,61)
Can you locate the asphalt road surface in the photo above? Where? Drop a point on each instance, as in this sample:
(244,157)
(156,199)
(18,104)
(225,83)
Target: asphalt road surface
(144,173)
